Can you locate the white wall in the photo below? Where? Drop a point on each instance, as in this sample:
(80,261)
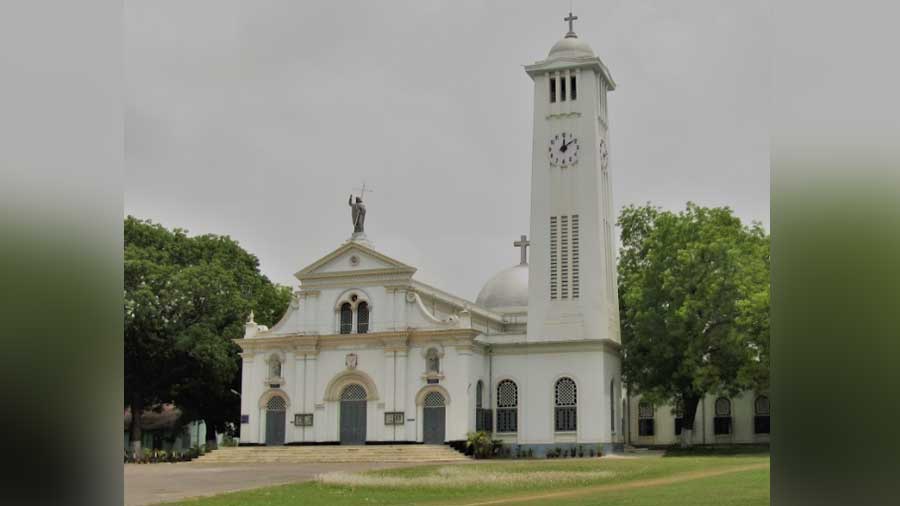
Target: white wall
(536,375)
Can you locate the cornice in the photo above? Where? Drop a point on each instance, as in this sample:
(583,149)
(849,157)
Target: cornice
(394,340)
(572,346)
(360,273)
(593,63)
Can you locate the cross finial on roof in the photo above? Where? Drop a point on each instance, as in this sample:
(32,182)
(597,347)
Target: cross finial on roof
(523,245)
(363,189)
(571,18)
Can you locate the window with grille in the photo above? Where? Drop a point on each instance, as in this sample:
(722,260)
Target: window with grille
(303,419)
(566,397)
(564,257)
(554,244)
(645,419)
(434,400)
(761,420)
(722,420)
(482,416)
(576,282)
(354,392)
(346,318)
(394,418)
(276,403)
(362,318)
(507,406)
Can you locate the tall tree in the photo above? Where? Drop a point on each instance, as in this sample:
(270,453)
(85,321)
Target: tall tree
(694,304)
(185,299)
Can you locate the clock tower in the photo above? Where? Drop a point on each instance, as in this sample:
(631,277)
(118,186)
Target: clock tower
(572,278)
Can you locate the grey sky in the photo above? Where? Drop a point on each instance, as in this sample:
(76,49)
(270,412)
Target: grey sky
(256,119)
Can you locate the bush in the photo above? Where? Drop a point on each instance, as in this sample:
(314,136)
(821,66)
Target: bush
(480,444)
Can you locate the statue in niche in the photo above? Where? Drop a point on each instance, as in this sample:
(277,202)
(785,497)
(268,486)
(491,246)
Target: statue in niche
(433,361)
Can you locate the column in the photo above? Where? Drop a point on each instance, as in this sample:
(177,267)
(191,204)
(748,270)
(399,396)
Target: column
(247,399)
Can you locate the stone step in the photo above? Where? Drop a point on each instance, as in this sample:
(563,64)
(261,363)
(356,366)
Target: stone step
(332,454)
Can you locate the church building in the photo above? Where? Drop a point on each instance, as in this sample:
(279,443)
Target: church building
(366,353)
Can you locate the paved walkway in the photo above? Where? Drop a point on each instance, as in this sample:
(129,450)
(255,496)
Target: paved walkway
(154,483)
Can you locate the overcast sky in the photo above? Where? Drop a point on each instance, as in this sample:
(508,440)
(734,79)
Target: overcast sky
(256,119)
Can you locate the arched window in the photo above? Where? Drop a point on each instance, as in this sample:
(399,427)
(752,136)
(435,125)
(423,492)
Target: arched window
(482,416)
(354,392)
(566,398)
(274,367)
(432,361)
(722,420)
(645,419)
(612,406)
(362,318)
(761,412)
(507,406)
(276,403)
(346,318)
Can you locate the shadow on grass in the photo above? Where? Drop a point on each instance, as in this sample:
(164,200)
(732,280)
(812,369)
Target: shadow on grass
(718,451)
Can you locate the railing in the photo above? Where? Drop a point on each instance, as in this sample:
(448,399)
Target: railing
(566,419)
(483,420)
(507,420)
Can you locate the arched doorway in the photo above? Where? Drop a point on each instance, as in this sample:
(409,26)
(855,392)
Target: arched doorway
(275,414)
(434,418)
(353,414)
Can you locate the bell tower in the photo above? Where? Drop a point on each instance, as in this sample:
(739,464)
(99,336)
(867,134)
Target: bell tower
(572,279)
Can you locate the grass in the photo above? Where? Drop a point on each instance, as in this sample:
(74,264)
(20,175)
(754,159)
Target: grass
(651,481)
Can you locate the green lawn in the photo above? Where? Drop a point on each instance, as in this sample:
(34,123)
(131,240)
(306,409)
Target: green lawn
(677,480)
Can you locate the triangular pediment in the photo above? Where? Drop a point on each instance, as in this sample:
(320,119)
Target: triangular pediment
(356,259)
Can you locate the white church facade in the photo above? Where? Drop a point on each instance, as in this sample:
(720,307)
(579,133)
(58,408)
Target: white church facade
(366,353)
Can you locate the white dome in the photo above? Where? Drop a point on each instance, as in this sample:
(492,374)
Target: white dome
(571,47)
(507,291)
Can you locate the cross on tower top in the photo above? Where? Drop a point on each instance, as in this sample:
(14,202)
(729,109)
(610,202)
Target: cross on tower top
(523,245)
(362,190)
(570,18)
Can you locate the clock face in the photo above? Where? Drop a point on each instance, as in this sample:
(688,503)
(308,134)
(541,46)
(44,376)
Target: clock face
(563,150)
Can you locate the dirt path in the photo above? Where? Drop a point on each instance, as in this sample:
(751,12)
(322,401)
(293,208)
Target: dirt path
(616,487)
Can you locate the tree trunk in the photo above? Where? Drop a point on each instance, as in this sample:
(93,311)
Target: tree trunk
(134,430)
(690,404)
(211,442)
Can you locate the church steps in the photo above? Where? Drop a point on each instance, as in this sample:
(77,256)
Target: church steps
(335,454)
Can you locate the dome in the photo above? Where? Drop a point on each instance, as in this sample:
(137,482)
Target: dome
(571,47)
(507,291)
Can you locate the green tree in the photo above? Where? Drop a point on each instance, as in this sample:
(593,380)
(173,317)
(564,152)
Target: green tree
(186,298)
(694,304)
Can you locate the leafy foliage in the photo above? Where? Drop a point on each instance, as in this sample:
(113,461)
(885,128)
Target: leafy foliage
(694,303)
(186,298)
(480,443)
